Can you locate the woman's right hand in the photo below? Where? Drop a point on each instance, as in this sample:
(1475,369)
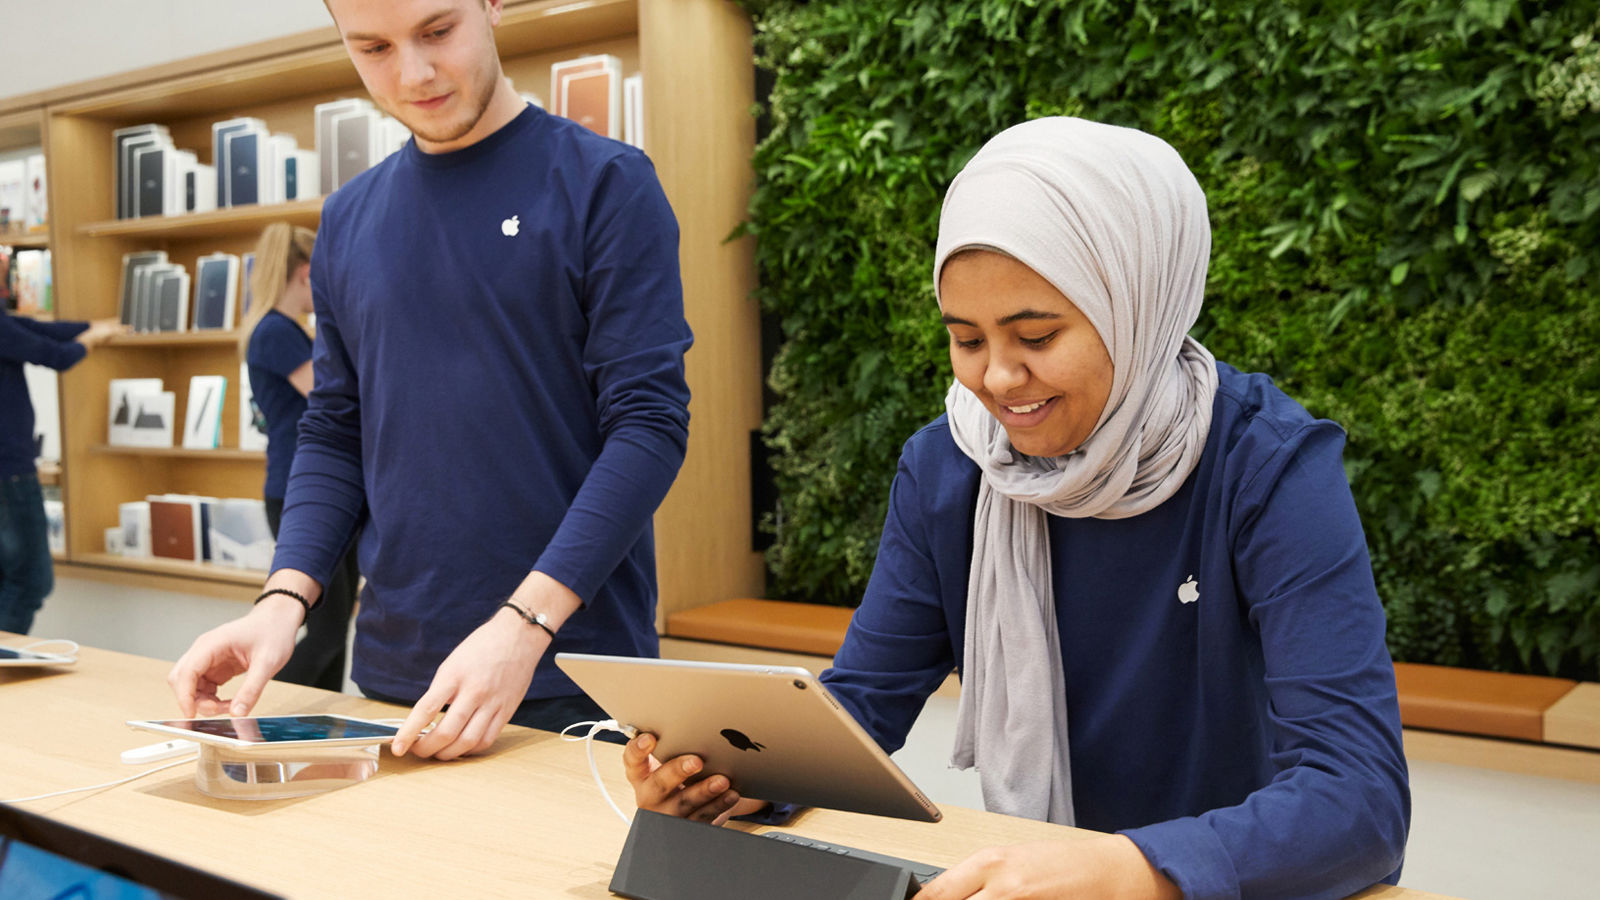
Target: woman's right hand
(669,787)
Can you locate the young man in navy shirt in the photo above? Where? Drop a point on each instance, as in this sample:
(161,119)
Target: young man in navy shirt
(499,397)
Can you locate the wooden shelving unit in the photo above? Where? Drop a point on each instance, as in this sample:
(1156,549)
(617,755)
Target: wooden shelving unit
(698,85)
(170,567)
(223,453)
(242,220)
(228,338)
(26,240)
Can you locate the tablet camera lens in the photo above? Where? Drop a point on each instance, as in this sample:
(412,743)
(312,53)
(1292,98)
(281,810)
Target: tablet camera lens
(799,684)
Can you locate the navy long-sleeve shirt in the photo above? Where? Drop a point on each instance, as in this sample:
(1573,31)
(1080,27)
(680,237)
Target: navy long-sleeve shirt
(499,379)
(24,340)
(1246,736)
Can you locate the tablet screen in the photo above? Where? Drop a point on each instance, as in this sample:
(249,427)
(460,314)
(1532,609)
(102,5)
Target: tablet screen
(27,870)
(9,655)
(284,729)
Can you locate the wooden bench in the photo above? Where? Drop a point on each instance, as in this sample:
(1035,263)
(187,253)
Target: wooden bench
(1575,718)
(1497,705)
(771,624)
(1524,724)
(1469,701)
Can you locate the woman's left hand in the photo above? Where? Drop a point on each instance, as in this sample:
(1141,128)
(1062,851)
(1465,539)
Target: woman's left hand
(1110,866)
(671,787)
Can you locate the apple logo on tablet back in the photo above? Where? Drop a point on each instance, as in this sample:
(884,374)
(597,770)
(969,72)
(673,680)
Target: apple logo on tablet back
(740,741)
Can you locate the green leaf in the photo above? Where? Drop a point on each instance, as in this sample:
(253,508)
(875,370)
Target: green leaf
(1497,602)
(1218,74)
(1283,245)
(1473,186)
(1449,180)
(1398,273)
(1492,13)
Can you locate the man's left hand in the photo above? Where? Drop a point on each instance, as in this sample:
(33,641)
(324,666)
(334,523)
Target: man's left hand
(486,677)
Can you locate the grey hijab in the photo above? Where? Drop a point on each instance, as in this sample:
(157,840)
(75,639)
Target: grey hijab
(1115,221)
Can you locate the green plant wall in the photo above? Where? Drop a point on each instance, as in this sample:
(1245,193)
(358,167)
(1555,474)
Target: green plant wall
(1406,209)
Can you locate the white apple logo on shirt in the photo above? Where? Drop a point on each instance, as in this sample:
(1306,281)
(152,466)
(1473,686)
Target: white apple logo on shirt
(1188,592)
(509,227)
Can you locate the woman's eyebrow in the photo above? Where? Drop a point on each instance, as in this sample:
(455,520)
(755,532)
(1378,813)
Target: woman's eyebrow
(1027,314)
(1018,316)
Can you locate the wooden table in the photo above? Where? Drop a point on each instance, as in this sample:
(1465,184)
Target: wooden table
(524,820)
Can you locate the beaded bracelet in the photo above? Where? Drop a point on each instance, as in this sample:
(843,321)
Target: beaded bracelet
(288,593)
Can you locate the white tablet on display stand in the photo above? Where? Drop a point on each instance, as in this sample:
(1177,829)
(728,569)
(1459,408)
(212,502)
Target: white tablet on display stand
(274,733)
(12,656)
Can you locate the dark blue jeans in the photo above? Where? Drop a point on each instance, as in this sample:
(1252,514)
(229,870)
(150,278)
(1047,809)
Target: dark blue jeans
(26,572)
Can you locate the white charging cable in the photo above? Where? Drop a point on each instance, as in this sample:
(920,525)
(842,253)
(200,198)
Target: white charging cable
(73,652)
(594,768)
(96,787)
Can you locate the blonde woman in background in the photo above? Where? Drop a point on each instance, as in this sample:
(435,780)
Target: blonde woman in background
(277,348)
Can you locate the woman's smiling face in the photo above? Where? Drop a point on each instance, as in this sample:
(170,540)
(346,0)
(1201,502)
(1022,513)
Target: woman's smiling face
(1025,350)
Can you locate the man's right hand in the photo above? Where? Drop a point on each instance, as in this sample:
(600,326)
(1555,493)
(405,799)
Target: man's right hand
(256,646)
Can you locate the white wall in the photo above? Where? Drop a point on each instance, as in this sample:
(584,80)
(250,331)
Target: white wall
(49,43)
(139,620)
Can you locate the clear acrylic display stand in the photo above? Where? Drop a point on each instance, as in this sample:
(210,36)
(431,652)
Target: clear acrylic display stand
(283,772)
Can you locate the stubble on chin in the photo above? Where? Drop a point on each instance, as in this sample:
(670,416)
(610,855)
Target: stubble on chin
(445,132)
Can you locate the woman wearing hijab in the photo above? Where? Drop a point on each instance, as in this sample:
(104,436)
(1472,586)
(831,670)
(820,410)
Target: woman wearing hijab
(1147,565)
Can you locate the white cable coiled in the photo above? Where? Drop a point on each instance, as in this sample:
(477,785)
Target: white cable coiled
(72,652)
(594,769)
